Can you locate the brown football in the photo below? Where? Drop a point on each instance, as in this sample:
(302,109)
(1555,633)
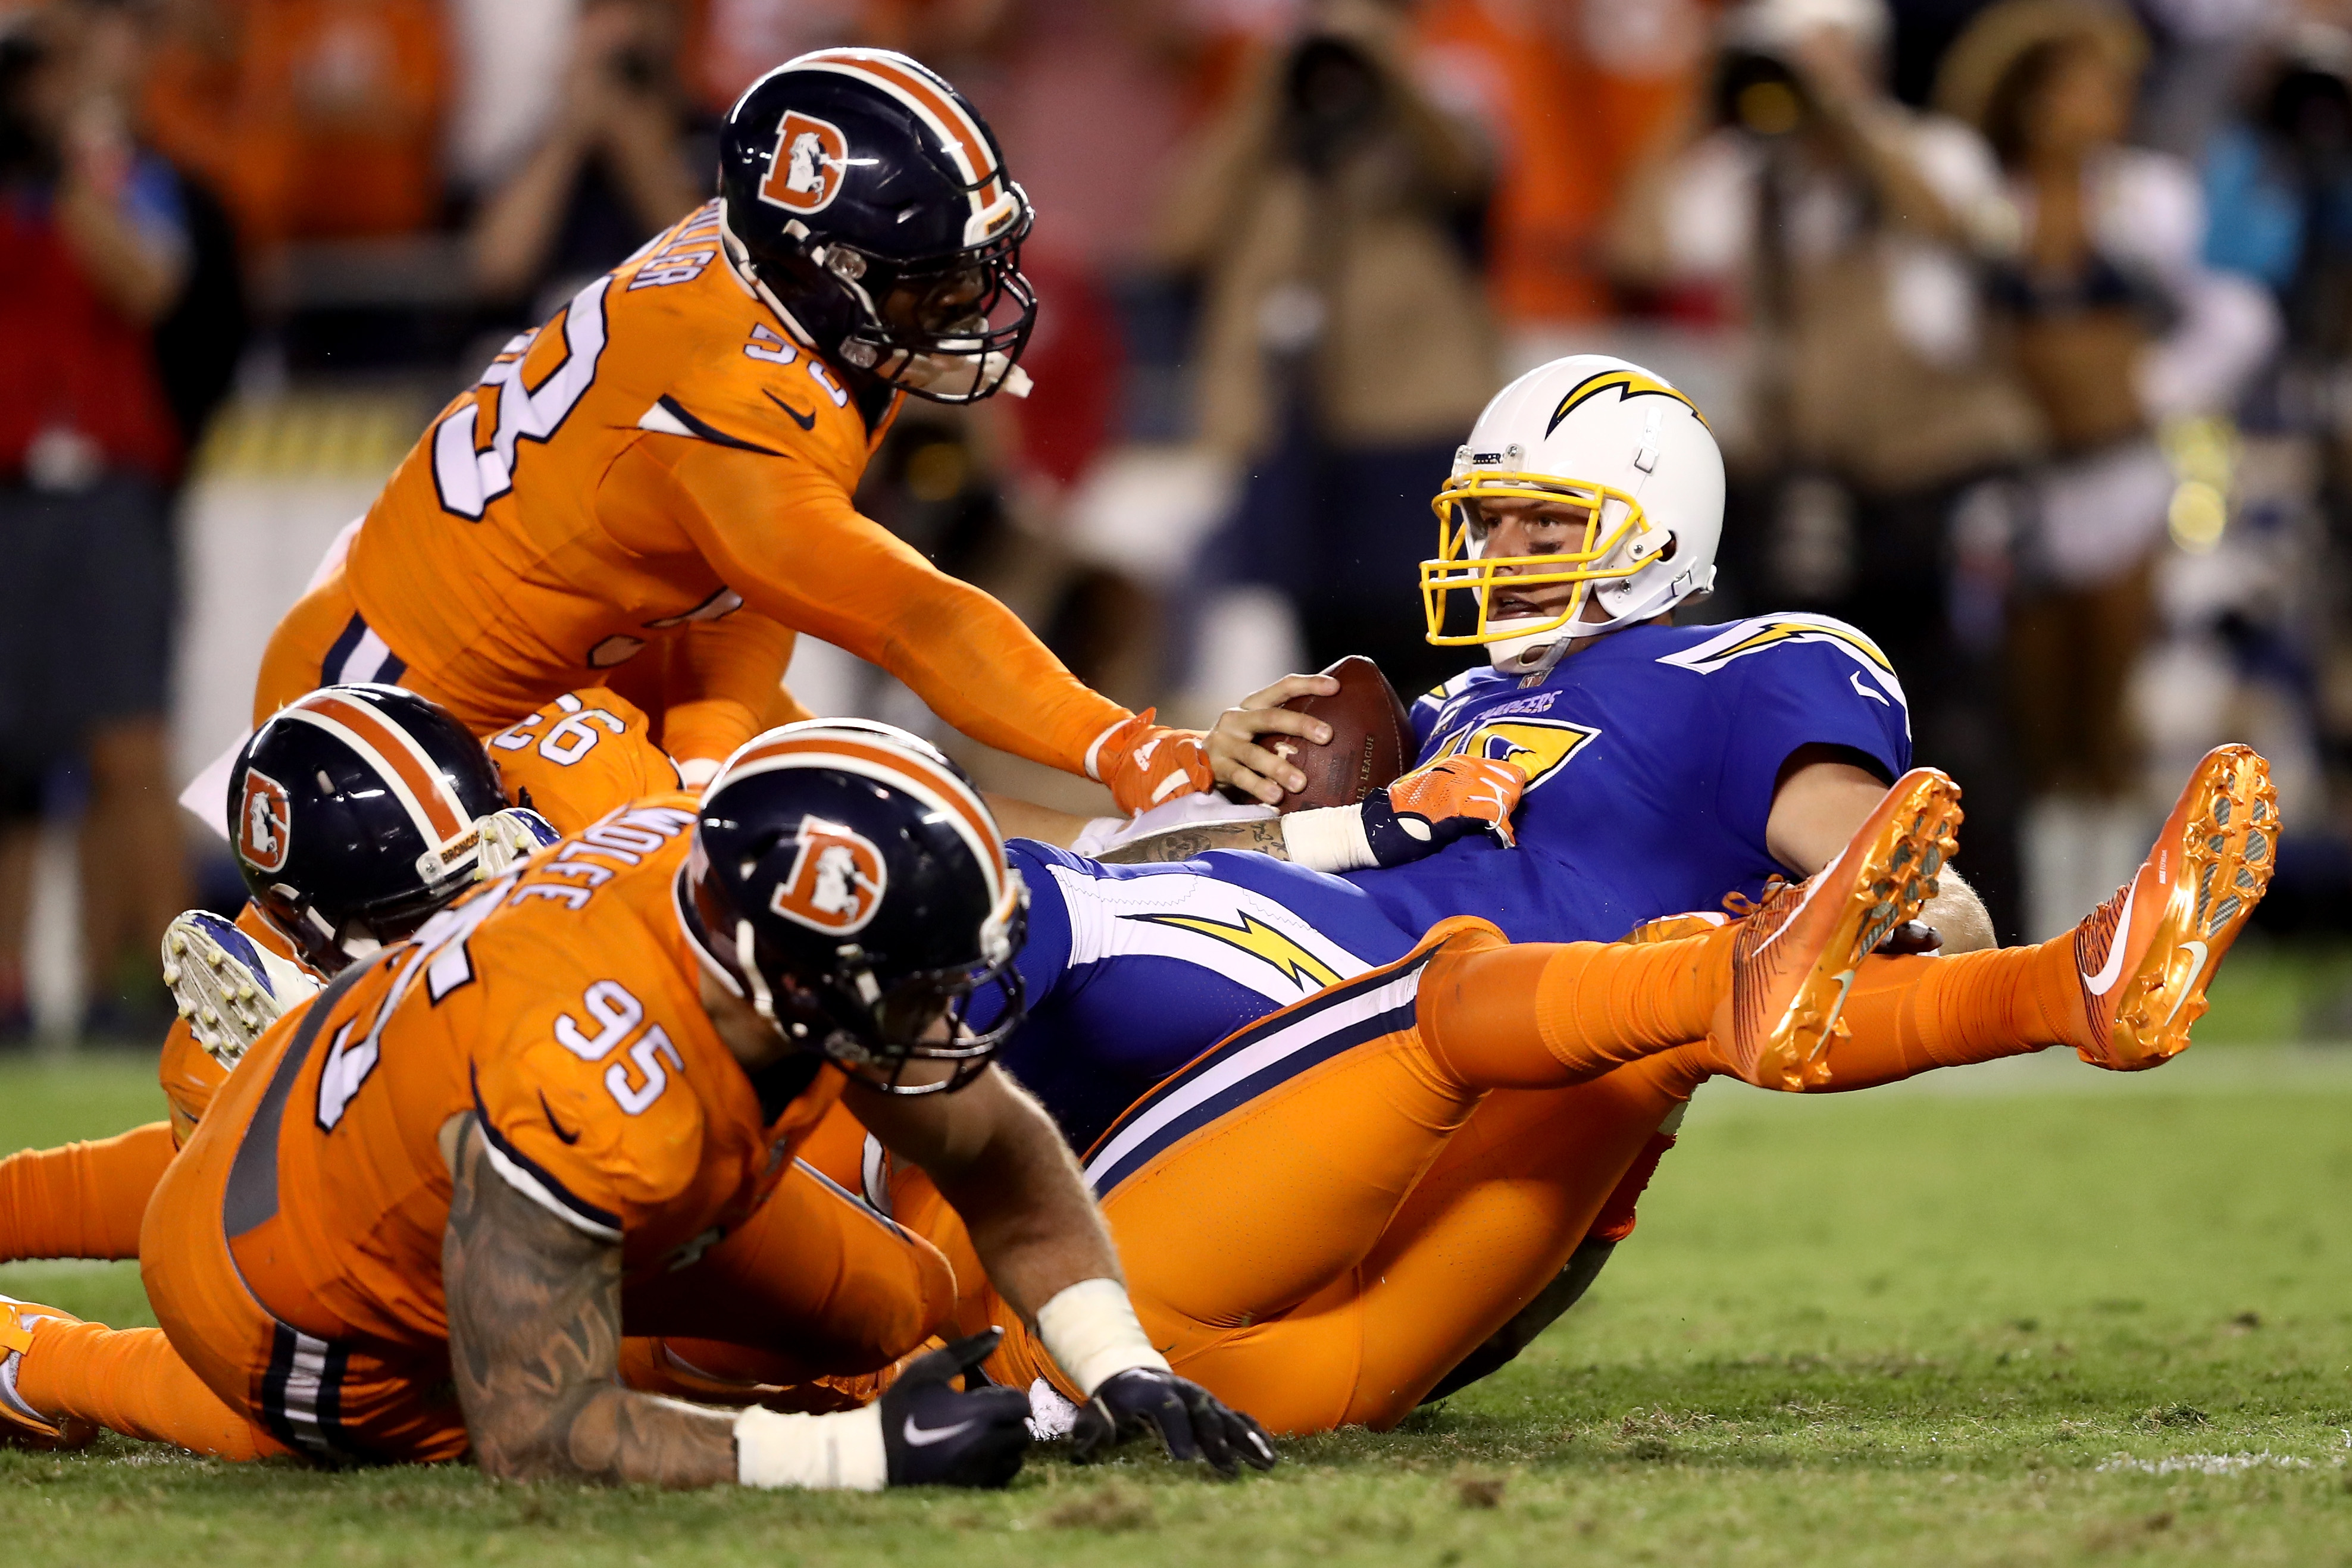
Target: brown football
(1370,744)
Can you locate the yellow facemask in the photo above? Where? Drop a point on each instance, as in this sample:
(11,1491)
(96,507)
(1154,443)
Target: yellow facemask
(1458,567)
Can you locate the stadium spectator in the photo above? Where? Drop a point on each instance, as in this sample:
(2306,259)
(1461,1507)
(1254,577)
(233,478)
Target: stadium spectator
(1571,97)
(1344,343)
(1848,230)
(313,118)
(94,249)
(2114,323)
(615,166)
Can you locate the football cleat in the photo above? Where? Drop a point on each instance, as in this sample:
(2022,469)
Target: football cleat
(1674,928)
(21,1426)
(228,988)
(1796,956)
(2147,955)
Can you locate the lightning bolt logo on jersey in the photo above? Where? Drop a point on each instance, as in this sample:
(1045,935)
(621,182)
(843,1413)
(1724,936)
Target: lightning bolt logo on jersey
(1651,755)
(1537,748)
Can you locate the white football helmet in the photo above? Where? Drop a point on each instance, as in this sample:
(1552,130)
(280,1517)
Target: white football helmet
(1610,437)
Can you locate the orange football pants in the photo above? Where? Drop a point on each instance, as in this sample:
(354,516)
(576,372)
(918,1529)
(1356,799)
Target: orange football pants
(1322,1252)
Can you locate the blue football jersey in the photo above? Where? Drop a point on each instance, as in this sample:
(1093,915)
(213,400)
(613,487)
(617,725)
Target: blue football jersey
(1652,755)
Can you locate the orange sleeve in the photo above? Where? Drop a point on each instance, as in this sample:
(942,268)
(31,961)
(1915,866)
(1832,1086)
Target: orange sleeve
(784,536)
(720,683)
(84,1201)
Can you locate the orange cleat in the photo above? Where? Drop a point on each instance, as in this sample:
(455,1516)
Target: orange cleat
(2147,955)
(1796,956)
(21,1426)
(1674,928)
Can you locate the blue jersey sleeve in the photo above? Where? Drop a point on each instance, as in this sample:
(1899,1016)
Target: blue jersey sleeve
(1798,692)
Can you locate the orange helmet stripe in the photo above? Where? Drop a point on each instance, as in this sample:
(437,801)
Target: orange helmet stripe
(949,117)
(393,749)
(957,795)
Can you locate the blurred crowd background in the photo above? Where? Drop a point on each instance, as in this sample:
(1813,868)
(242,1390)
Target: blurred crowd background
(2026,327)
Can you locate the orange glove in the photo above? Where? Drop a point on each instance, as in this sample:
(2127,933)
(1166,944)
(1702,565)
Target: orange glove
(1421,812)
(1148,764)
(1456,795)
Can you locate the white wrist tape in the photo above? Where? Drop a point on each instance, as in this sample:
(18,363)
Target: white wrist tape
(1330,838)
(841,1452)
(695,772)
(1091,1332)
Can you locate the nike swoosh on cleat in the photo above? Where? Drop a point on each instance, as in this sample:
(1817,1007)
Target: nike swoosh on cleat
(924,1436)
(2189,984)
(2100,984)
(805,420)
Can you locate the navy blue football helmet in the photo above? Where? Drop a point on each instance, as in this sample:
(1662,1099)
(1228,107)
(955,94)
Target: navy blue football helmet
(847,881)
(355,813)
(868,202)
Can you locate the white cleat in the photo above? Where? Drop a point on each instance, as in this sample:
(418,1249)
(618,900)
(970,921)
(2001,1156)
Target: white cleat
(228,987)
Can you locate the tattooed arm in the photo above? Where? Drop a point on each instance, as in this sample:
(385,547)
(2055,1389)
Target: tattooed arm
(535,1343)
(1262,834)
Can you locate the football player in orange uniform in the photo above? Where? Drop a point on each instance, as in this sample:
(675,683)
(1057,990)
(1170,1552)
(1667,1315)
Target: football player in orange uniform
(313,880)
(575,1094)
(682,440)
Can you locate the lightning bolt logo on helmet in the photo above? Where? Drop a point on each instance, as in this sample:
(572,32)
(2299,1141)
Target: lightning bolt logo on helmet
(837,881)
(1630,382)
(265,829)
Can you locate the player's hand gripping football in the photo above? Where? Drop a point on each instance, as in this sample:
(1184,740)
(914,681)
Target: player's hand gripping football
(1188,1417)
(937,1435)
(1421,812)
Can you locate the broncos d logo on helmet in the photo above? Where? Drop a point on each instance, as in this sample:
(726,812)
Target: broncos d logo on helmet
(265,828)
(1627,384)
(804,172)
(836,880)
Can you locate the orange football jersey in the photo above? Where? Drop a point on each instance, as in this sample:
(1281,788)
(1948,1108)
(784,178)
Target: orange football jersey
(579,756)
(658,455)
(558,1004)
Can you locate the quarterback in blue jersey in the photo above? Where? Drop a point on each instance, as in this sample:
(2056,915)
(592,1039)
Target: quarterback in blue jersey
(1657,769)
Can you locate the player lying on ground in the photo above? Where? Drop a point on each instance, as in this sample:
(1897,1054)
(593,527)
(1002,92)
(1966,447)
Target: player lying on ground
(680,443)
(568,1098)
(1639,768)
(353,862)
(1336,1208)
(359,811)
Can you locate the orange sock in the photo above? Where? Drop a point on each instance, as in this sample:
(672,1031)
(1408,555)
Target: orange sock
(131,1381)
(84,1201)
(1910,1015)
(1546,1014)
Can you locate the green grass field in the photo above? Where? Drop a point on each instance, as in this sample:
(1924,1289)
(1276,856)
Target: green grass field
(2024,1314)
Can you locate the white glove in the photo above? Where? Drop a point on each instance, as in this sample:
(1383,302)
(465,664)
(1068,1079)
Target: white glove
(510,838)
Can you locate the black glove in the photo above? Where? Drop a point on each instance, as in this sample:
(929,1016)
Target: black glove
(935,1435)
(1187,1416)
